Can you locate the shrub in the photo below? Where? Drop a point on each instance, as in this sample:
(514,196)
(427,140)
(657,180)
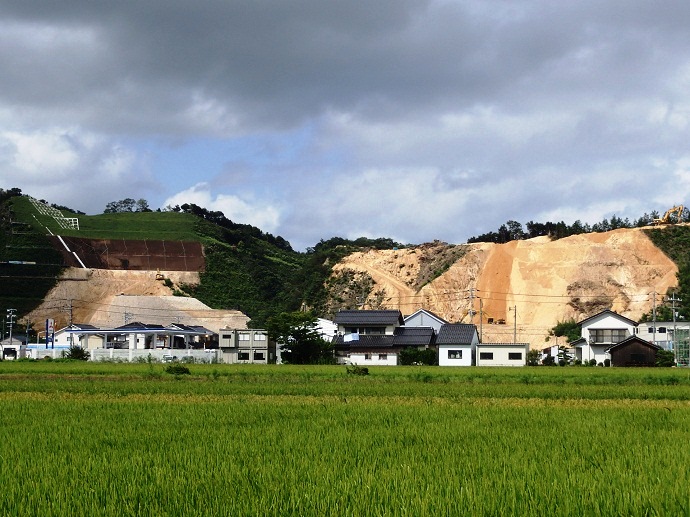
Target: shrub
(177,369)
(357,370)
(77,353)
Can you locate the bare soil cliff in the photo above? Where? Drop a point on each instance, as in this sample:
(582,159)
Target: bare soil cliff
(539,280)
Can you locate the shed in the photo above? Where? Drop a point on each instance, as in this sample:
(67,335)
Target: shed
(633,351)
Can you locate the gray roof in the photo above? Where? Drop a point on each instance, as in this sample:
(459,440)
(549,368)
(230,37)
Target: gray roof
(456,334)
(369,318)
(427,312)
(610,313)
(414,336)
(366,341)
(633,339)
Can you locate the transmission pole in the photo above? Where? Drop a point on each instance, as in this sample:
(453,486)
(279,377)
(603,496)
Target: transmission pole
(673,301)
(10,320)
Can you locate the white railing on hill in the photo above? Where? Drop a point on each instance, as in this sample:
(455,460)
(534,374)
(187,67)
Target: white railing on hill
(67,223)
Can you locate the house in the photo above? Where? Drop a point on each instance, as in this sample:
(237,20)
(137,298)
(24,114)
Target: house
(15,348)
(457,344)
(502,354)
(665,334)
(599,332)
(424,318)
(247,346)
(376,337)
(633,351)
(68,336)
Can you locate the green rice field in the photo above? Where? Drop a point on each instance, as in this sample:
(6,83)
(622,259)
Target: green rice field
(119,439)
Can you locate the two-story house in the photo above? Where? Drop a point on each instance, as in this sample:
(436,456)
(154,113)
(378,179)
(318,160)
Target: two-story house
(599,333)
(376,337)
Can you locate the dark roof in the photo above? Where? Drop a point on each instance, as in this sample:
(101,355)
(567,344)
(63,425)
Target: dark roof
(610,313)
(370,318)
(629,340)
(456,334)
(83,326)
(413,336)
(365,341)
(137,325)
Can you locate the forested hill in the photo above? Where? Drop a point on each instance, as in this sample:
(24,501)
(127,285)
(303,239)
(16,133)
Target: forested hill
(245,268)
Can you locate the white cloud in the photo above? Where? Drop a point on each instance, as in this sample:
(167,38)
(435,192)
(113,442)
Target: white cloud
(257,212)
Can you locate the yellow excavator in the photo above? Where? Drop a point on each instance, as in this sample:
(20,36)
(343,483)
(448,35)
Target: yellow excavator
(666,218)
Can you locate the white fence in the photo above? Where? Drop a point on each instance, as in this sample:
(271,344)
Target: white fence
(64,222)
(159,356)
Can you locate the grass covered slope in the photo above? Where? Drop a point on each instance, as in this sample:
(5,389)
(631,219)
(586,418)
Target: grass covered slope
(239,440)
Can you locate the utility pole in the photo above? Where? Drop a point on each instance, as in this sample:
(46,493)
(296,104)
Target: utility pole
(673,301)
(471,305)
(654,317)
(481,317)
(514,309)
(10,321)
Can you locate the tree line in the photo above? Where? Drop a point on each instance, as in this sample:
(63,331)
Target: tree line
(513,230)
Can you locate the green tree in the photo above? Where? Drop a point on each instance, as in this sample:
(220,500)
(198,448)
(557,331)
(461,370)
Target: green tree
(569,328)
(665,358)
(533,357)
(77,353)
(298,338)
(413,355)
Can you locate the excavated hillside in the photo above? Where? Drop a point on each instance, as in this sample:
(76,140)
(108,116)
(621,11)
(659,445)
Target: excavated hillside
(540,280)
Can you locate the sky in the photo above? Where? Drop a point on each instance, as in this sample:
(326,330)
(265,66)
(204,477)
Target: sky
(414,120)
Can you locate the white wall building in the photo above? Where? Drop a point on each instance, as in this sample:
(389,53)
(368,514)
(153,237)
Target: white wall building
(502,354)
(457,344)
(601,331)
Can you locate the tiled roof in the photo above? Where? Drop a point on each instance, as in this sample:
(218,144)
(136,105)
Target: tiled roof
(365,341)
(414,336)
(610,313)
(369,318)
(627,341)
(456,334)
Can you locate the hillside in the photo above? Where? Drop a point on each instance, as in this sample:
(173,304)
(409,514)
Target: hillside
(546,281)
(237,267)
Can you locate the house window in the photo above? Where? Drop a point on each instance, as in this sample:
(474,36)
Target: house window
(383,357)
(515,356)
(650,330)
(259,356)
(243,356)
(226,336)
(486,356)
(661,330)
(454,354)
(607,335)
(367,357)
(243,336)
(259,336)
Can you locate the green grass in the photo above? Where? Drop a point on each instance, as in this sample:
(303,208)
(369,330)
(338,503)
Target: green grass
(131,225)
(120,439)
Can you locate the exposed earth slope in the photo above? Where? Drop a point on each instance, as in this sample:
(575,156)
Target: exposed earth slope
(543,281)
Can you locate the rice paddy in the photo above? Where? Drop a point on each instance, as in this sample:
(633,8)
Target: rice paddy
(115,439)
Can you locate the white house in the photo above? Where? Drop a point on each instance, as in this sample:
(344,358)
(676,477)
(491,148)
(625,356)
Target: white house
(456,344)
(376,337)
(664,333)
(424,318)
(601,331)
(502,354)
(69,336)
